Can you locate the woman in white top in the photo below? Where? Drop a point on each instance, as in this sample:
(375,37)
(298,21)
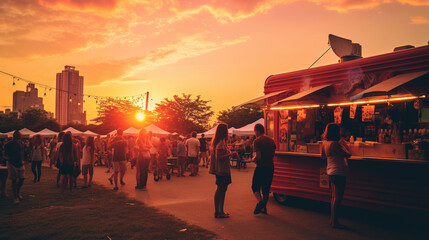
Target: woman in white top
(88,159)
(335,151)
(220,167)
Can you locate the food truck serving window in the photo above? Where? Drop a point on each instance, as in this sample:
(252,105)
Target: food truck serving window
(396,130)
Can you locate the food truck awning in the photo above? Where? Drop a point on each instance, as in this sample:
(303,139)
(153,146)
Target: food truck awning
(385,87)
(260,101)
(302,95)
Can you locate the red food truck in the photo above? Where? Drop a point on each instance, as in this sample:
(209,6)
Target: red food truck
(382,105)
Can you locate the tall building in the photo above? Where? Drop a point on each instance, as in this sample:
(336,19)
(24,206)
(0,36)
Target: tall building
(69,99)
(26,100)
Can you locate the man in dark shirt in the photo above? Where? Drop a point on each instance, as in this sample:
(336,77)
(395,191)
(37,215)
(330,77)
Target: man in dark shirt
(203,150)
(119,147)
(264,148)
(14,154)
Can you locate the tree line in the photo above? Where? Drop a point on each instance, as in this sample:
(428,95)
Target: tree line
(180,113)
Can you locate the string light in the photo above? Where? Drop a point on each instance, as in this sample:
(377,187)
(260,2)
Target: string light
(44,93)
(16,78)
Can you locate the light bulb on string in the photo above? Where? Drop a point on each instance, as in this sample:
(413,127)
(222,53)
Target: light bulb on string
(13,81)
(44,93)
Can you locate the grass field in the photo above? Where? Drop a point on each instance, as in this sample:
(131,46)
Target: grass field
(93,213)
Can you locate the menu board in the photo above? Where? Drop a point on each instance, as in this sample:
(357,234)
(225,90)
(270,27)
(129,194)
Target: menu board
(338,115)
(302,115)
(353,111)
(368,113)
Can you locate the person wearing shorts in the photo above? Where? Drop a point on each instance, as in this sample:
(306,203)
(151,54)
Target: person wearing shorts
(192,150)
(264,148)
(203,151)
(120,147)
(14,153)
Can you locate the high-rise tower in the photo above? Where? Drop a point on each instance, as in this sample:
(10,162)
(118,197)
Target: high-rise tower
(69,99)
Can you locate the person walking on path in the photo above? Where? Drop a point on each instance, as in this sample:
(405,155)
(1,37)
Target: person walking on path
(38,154)
(143,159)
(203,151)
(14,153)
(119,148)
(88,161)
(264,148)
(181,158)
(56,156)
(335,152)
(192,150)
(68,159)
(220,167)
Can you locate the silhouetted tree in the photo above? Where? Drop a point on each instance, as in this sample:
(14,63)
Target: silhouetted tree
(241,116)
(183,114)
(118,113)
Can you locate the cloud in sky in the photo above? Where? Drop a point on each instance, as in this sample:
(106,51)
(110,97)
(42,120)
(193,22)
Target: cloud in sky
(419,20)
(56,27)
(81,4)
(124,71)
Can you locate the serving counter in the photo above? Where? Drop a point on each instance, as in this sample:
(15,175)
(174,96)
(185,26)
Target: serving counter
(383,184)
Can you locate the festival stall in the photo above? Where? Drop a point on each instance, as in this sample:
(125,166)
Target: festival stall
(131,131)
(46,133)
(248,130)
(382,105)
(89,133)
(156,131)
(25,132)
(73,131)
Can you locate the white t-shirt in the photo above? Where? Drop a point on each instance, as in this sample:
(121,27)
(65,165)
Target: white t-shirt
(87,159)
(193,147)
(336,158)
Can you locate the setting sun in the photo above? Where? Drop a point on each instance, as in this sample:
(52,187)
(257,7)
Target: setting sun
(140,116)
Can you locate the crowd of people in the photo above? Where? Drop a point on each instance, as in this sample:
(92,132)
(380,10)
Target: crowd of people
(73,155)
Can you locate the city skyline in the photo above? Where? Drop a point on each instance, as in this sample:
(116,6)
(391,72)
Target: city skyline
(208,48)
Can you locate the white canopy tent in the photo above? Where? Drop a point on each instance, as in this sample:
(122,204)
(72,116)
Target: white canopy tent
(248,129)
(89,133)
(210,133)
(46,133)
(25,132)
(73,131)
(156,131)
(131,131)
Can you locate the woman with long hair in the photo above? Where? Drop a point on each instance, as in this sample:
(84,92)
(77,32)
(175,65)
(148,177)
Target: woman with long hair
(56,156)
(88,160)
(38,153)
(335,152)
(142,147)
(68,158)
(220,166)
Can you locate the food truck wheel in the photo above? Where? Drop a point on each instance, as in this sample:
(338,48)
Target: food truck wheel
(280,198)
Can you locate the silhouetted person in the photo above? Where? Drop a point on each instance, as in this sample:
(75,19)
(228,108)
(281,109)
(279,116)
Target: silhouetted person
(38,153)
(14,153)
(264,148)
(220,166)
(335,151)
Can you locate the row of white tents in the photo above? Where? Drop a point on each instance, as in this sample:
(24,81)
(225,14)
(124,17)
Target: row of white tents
(156,131)
(25,132)
(243,131)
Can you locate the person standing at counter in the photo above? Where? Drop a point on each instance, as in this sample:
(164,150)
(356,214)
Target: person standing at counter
(264,148)
(335,151)
(220,167)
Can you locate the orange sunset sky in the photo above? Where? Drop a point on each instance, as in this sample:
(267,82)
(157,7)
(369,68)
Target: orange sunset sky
(222,50)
